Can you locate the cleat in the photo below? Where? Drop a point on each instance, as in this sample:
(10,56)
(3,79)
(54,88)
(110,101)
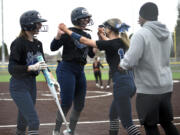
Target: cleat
(67,132)
(107,87)
(97,85)
(102,87)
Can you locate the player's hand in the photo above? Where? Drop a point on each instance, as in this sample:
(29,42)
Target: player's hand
(38,66)
(62,27)
(59,33)
(95,50)
(101,30)
(56,85)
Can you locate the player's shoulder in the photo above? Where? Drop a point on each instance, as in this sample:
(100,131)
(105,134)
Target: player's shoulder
(17,41)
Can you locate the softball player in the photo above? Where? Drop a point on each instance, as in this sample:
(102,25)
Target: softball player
(124,87)
(71,76)
(97,72)
(24,68)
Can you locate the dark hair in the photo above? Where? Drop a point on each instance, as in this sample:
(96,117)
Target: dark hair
(149,11)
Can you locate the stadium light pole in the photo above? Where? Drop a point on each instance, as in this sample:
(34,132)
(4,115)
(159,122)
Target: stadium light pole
(2,24)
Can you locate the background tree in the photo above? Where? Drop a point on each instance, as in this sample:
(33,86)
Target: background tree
(5,51)
(177,30)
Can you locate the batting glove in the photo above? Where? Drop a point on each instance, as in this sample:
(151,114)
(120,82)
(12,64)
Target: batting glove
(38,66)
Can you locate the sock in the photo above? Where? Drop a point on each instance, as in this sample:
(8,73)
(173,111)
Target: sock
(132,130)
(59,119)
(73,120)
(33,132)
(114,127)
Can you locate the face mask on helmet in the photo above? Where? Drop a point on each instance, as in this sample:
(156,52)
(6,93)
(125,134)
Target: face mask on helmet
(83,22)
(81,17)
(30,19)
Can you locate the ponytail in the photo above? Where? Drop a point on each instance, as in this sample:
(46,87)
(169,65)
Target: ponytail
(125,39)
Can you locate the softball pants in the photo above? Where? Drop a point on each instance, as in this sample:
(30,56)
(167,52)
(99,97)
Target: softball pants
(123,89)
(23,92)
(71,78)
(97,75)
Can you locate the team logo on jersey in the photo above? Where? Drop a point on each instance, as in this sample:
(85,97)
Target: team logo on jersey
(32,58)
(38,46)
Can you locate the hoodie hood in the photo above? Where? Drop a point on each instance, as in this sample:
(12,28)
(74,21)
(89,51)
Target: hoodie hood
(158,29)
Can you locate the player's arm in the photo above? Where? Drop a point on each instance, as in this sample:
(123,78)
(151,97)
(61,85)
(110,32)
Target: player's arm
(82,39)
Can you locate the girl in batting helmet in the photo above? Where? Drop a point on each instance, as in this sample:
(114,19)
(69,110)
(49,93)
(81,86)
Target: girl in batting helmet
(70,72)
(24,67)
(114,38)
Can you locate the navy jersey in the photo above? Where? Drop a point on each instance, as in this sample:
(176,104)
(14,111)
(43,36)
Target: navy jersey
(24,53)
(72,49)
(111,48)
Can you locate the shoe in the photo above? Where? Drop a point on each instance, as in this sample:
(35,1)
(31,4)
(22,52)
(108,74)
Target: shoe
(97,85)
(55,132)
(107,87)
(66,132)
(102,87)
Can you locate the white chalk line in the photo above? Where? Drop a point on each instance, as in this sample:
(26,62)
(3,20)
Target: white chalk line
(85,122)
(103,94)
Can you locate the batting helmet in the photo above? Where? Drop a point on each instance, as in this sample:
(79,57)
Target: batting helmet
(29,19)
(79,13)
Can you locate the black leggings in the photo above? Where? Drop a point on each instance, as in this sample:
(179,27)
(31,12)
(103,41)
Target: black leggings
(97,75)
(168,127)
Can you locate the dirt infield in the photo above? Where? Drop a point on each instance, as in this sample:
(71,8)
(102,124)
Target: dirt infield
(93,120)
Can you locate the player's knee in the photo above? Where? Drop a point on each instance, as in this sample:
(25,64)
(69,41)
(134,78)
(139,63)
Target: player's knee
(66,104)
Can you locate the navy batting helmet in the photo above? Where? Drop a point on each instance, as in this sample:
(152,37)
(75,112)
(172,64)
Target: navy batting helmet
(79,13)
(29,19)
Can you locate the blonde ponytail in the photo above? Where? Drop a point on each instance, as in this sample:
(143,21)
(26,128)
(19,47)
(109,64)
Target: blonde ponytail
(125,39)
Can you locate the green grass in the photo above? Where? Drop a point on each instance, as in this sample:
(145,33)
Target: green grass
(4,75)
(176,75)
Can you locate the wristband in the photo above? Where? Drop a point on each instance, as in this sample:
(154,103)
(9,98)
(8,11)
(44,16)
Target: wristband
(76,36)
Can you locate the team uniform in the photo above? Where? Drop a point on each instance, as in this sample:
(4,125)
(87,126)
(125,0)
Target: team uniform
(113,40)
(97,73)
(23,83)
(71,76)
(123,85)
(24,67)
(109,79)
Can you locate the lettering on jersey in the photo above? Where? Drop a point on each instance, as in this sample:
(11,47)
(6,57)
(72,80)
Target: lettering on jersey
(32,58)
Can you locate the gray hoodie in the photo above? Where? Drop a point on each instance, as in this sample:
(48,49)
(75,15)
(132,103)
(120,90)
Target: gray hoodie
(149,55)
